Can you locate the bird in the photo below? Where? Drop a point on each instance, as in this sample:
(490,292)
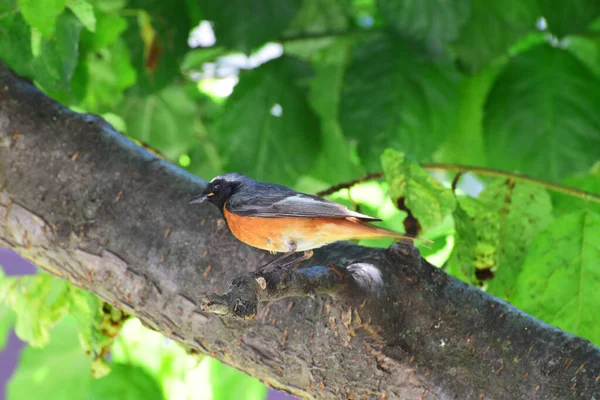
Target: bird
(278,219)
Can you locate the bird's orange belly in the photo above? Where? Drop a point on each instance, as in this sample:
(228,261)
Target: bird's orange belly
(278,234)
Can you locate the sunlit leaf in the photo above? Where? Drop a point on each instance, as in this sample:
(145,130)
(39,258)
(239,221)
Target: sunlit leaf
(125,382)
(588,182)
(427,199)
(561,275)
(56,63)
(394,97)
(432,22)
(42,14)
(84,12)
(227,383)
(541,115)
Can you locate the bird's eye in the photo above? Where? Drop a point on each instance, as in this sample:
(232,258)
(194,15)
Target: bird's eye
(216,186)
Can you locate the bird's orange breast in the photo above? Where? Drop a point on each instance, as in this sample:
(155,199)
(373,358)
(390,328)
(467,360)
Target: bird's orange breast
(276,234)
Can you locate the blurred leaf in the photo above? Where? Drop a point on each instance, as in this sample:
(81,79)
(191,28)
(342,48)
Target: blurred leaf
(15,42)
(56,63)
(589,182)
(334,163)
(561,275)
(125,382)
(433,22)
(108,6)
(573,16)
(84,12)
(427,199)
(492,28)
(7,321)
(393,97)
(245,26)
(587,50)
(541,115)
(227,383)
(465,144)
(42,14)
(109,74)
(59,371)
(157,40)
(163,120)
(268,130)
(515,214)
(196,58)
(108,29)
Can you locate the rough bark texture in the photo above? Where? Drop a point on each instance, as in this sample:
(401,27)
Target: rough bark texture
(84,203)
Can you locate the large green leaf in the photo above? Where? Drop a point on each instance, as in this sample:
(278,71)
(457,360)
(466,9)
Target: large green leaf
(227,383)
(492,27)
(541,115)
(335,163)
(394,97)
(59,371)
(57,60)
(268,129)
(15,42)
(433,22)
(427,199)
(561,275)
(515,215)
(586,49)
(157,39)
(42,14)
(566,17)
(164,120)
(463,258)
(589,182)
(244,25)
(84,11)
(125,382)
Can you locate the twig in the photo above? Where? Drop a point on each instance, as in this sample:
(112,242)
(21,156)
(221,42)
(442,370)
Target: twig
(462,169)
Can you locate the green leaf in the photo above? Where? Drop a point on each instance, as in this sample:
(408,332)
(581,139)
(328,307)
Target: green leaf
(396,98)
(7,321)
(108,29)
(39,301)
(125,382)
(245,26)
(465,143)
(541,116)
(335,163)
(268,130)
(433,22)
(428,200)
(15,43)
(157,40)
(109,74)
(573,16)
(587,50)
(516,214)
(164,120)
(56,63)
(589,182)
(492,28)
(42,14)
(196,58)
(58,371)
(108,6)
(561,275)
(84,12)
(227,383)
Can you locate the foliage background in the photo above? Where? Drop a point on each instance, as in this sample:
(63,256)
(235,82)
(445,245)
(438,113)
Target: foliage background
(310,93)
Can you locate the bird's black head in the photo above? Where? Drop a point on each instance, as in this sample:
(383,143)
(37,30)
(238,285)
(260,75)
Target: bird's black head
(221,188)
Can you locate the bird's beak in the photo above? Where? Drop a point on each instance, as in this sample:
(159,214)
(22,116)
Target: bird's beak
(201,198)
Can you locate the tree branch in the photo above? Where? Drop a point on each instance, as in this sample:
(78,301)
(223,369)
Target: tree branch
(83,202)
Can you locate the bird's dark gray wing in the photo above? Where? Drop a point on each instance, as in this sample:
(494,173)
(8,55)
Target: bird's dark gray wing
(287,203)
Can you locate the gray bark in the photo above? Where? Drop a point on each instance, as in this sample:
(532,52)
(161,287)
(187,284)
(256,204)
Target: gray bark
(81,201)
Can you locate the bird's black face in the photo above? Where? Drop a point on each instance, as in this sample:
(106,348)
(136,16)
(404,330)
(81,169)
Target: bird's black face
(218,191)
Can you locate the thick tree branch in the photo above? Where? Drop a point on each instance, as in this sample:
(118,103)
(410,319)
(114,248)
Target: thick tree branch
(84,203)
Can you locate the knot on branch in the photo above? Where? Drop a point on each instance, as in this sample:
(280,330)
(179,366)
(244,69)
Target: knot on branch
(247,293)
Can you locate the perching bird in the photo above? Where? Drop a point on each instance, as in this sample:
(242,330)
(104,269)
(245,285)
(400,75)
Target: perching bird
(278,219)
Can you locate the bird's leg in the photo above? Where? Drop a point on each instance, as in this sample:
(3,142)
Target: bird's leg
(307,254)
(292,250)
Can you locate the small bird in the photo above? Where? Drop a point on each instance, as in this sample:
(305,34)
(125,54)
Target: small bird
(278,219)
